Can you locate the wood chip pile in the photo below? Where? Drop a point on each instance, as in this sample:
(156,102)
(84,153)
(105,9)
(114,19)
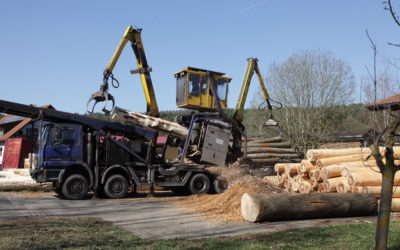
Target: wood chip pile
(351,170)
(264,153)
(226,206)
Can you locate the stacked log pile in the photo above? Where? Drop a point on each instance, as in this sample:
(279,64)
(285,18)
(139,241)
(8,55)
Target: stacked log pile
(351,170)
(263,153)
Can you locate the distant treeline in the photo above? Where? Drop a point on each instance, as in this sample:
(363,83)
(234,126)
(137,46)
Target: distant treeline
(352,119)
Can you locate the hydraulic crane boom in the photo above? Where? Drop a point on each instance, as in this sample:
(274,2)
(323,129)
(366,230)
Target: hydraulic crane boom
(134,36)
(252,66)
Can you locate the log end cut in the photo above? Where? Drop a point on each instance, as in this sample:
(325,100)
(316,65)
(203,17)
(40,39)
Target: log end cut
(250,208)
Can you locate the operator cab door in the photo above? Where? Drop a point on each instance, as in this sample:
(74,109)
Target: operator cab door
(64,147)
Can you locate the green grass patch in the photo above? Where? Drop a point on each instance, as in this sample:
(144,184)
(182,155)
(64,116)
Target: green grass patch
(93,233)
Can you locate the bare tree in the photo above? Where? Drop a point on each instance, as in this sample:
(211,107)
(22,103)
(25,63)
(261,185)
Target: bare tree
(310,84)
(387,168)
(389,7)
(383,85)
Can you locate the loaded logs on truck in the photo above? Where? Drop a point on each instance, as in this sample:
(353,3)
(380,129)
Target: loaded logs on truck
(204,138)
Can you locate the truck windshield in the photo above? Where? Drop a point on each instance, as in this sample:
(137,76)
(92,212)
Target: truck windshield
(45,133)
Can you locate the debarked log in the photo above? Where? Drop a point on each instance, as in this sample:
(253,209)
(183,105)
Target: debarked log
(269,161)
(150,122)
(271,155)
(272,145)
(287,206)
(270,150)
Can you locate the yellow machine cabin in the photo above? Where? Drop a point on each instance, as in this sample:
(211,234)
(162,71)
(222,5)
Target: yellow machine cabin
(194,89)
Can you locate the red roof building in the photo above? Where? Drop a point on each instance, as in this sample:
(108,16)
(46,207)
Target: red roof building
(12,126)
(390,103)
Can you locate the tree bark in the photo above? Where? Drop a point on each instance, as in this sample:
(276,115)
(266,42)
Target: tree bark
(388,170)
(385,208)
(376,191)
(284,206)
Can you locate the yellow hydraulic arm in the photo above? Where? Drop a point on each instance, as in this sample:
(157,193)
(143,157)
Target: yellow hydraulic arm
(252,66)
(134,36)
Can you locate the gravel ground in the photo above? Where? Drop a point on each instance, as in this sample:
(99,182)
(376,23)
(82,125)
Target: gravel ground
(17,179)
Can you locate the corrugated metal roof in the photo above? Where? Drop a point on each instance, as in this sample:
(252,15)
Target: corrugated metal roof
(392,102)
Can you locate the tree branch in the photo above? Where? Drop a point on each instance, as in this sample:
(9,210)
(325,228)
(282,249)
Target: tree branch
(394,44)
(392,12)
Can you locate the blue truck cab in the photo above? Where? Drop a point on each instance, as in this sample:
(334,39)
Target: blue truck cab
(61,146)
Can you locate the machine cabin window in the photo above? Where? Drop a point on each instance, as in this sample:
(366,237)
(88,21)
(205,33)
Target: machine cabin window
(203,85)
(194,85)
(222,87)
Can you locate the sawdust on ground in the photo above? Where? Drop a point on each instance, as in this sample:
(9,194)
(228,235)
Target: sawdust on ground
(226,206)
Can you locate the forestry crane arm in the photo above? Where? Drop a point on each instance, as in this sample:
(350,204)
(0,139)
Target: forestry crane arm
(252,66)
(133,35)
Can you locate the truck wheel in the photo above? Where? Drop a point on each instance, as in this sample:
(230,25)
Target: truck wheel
(220,186)
(75,187)
(199,184)
(116,186)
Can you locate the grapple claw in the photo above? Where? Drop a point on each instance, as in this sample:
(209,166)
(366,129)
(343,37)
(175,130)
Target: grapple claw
(100,96)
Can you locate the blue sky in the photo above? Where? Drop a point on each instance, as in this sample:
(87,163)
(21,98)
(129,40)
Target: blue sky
(54,52)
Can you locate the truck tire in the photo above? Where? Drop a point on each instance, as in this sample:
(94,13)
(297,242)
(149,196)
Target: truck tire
(75,187)
(199,184)
(116,187)
(220,185)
